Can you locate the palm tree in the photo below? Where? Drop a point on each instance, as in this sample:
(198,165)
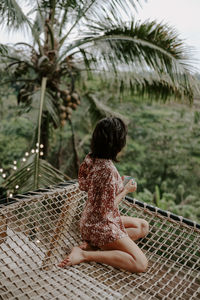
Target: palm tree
(70,39)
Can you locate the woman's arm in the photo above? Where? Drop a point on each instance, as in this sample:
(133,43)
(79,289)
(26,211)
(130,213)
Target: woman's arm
(129,188)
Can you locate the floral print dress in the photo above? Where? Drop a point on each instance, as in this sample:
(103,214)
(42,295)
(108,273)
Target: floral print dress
(100,222)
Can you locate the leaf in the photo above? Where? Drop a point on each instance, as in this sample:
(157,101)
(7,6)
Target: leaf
(24,176)
(12,14)
(50,105)
(3,49)
(99,110)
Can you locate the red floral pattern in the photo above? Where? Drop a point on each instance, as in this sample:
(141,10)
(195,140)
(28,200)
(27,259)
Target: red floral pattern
(100,222)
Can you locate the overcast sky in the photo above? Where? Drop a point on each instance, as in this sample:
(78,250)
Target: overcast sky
(183,15)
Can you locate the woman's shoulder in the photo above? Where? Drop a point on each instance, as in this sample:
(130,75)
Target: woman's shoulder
(104,163)
(100,165)
(105,169)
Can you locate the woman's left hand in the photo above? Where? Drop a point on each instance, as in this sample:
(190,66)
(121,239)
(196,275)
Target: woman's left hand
(131,186)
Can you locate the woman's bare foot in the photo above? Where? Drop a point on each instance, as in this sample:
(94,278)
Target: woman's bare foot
(74,258)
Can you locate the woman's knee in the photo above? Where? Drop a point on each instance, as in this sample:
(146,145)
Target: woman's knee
(140,264)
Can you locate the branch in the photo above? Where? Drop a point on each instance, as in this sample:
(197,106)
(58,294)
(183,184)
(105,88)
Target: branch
(84,12)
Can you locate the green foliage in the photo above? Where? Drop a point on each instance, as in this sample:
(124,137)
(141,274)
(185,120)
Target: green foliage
(14,137)
(163,153)
(71,40)
(31,172)
(162,150)
(24,177)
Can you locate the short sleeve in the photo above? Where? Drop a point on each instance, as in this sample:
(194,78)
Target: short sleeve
(107,193)
(82,177)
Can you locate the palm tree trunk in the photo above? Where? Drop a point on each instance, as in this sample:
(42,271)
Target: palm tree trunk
(59,154)
(37,159)
(45,134)
(76,158)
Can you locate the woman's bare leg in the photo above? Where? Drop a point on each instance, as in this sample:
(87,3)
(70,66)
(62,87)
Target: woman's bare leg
(123,253)
(136,228)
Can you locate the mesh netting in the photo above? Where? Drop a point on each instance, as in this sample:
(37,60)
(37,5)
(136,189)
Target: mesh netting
(39,228)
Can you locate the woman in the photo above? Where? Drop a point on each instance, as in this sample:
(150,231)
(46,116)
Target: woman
(101,225)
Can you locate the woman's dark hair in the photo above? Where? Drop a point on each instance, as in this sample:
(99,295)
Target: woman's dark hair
(108,138)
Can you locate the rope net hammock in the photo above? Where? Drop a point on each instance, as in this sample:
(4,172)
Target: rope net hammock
(38,228)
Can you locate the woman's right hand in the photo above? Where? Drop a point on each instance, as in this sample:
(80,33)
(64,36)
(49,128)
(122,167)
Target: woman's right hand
(131,186)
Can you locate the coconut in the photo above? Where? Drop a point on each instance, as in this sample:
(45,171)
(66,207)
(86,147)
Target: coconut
(63,122)
(75,96)
(68,110)
(70,104)
(62,108)
(66,92)
(74,106)
(63,115)
(68,98)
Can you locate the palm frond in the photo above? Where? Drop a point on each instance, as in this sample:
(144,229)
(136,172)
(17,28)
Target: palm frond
(51,107)
(140,43)
(15,54)
(99,110)
(12,14)
(24,177)
(32,107)
(4,49)
(82,12)
(38,24)
(157,88)
(137,48)
(151,84)
(63,21)
(112,10)
(155,45)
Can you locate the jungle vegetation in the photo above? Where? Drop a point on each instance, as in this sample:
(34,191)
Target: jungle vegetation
(83,60)
(162,151)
